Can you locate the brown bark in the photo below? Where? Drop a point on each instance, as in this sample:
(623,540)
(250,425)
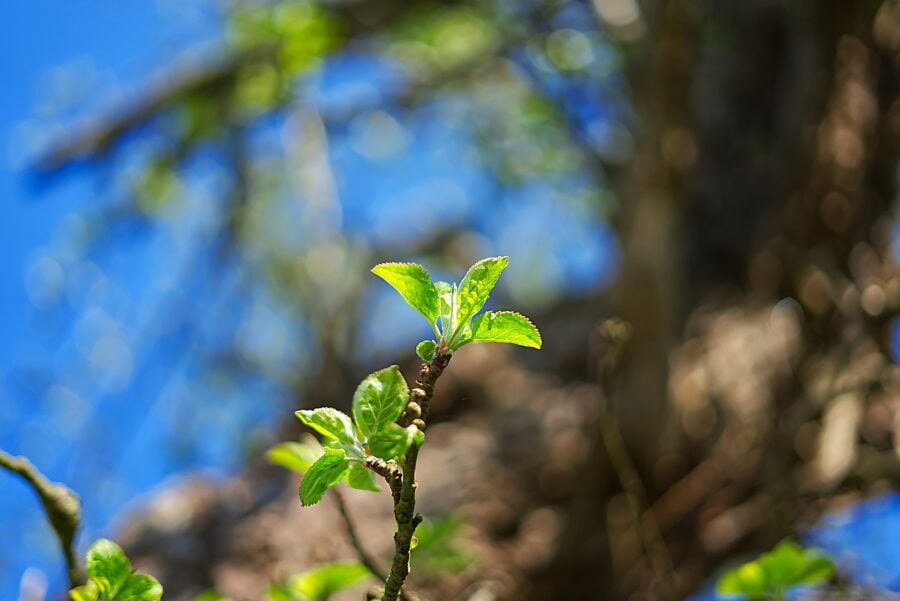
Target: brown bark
(767,146)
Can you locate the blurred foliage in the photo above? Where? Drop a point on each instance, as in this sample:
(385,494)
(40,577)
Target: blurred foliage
(319,583)
(211,595)
(773,574)
(296,456)
(439,550)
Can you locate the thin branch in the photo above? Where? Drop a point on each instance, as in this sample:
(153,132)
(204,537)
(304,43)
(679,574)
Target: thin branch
(616,334)
(364,557)
(61,505)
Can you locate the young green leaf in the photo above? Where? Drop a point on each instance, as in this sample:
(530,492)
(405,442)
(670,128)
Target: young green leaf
(324,581)
(296,456)
(140,587)
(379,400)
(504,326)
(447,305)
(106,562)
(88,592)
(359,477)
(392,441)
(328,470)
(476,286)
(748,579)
(329,422)
(425,350)
(110,577)
(414,285)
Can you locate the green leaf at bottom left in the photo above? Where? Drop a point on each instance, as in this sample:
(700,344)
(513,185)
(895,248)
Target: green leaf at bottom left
(328,470)
(110,577)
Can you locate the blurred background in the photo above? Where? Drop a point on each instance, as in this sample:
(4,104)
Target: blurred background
(195,192)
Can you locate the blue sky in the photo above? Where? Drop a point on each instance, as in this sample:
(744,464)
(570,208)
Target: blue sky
(41,42)
(108,38)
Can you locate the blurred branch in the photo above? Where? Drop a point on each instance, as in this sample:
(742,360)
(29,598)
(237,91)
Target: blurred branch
(61,505)
(99,139)
(364,557)
(615,335)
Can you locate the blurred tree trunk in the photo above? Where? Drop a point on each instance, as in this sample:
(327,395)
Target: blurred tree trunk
(765,169)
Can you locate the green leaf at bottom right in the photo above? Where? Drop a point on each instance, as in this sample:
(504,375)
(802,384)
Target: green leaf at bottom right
(774,573)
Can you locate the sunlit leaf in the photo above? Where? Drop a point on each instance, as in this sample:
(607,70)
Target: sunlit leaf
(329,422)
(773,573)
(447,307)
(504,326)
(328,470)
(106,562)
(111,579)
(414,285)
(139,587)
(476,286)
(379,400)
(748,579)
(88,592)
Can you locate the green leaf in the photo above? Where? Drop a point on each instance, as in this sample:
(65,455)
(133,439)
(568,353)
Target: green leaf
(108,566)
(88,592)
(358,476)
(329,422)
(326,580)
(296,456)
(476,286)
(278,592)
(815,570)
(111,579)
(391,442)
(140,587)
(425,350)
(775,572)
(439,550)
(504,326)
(748,579)
(414,285)
(447,305)
(789,565)
(327,471)
(379,400)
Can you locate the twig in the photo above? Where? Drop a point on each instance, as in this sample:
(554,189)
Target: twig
(403,485)
(61,505)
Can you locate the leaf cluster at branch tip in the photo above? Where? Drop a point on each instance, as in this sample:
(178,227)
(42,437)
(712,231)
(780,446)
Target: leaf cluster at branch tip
(453,310)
